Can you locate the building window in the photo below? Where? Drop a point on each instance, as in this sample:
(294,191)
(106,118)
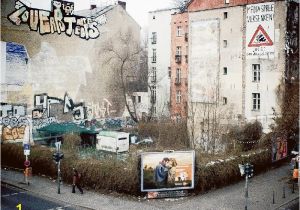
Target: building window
(225,71)
(153,94)
(224,100)
(226,1)
(154,37)
(139,99)
(178,75)
(225,43)
(178,118)
(153,55)
(179,31)
(178,96)
(0,113)
(16,111)
(225,15)
(256,101)
(256,72)
(178,50)
(41,99)
(169,71)
(153,74)
(133,99)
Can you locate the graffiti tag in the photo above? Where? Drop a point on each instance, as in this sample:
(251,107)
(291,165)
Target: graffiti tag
(60,19)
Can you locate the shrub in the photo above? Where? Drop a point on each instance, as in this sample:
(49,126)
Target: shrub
(124,176)
(243,138)
(167,134)
(71,142)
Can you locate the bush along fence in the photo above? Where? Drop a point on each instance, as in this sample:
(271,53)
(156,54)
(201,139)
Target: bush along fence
(124,176)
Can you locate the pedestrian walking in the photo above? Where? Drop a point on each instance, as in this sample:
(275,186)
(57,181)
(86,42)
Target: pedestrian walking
(76,181)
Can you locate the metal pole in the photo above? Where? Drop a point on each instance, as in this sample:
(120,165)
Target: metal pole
(58,177)
(273,197)
(246,192)
(26,171)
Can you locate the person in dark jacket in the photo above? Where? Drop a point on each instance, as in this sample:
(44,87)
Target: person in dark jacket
(76,181)
(161,173)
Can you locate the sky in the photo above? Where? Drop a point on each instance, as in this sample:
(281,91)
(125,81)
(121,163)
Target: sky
(138,9)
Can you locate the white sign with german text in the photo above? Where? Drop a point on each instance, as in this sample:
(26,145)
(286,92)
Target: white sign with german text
(260,36)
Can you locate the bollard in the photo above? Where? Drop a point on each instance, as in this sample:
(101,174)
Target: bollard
(273,197)
(283,194)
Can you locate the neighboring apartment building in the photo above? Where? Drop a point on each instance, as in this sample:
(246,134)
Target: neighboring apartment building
(236,62)
(73,60)
(159,54)
(179,66)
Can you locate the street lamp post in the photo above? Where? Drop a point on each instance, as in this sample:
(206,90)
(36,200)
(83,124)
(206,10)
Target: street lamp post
(246,170)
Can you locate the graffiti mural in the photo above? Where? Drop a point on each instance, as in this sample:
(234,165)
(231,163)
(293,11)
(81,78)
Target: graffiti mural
(12,110)
(48,110)
(60,19)
(13,128)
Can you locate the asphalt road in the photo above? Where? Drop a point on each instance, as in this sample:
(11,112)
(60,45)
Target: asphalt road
(11,197)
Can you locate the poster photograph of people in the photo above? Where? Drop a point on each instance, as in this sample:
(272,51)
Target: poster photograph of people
(161,171)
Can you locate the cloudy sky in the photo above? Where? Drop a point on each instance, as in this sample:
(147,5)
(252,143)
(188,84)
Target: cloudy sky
(138,9)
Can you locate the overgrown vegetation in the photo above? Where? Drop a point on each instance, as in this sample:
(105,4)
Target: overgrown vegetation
(124,176)
(243,138)
(287,124)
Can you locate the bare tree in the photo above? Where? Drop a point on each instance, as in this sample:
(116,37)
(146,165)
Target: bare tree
(128,59)
(181,4)
(123,56)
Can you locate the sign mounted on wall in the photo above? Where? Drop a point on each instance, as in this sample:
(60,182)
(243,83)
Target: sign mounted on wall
(60,20)
(260,31)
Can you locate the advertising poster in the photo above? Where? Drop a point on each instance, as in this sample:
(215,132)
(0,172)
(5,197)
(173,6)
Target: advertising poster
(279,148)
(260,31)
(163,171)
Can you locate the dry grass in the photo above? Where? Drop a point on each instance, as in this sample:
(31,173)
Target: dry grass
(124,177)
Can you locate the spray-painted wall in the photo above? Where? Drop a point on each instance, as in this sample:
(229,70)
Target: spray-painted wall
(60,63)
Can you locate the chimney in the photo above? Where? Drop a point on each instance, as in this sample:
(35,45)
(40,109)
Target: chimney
(93,6)
(122,4)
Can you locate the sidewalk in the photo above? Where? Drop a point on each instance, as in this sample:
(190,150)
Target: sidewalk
(261,189)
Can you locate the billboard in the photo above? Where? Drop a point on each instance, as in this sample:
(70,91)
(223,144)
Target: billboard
(279,147)
(260,31)
(163,171)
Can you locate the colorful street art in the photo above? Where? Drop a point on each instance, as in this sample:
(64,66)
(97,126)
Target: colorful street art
(13,128)
(60,19)
(279,148)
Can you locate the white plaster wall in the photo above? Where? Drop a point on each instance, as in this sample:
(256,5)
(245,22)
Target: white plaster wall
(230,29)
(161,25)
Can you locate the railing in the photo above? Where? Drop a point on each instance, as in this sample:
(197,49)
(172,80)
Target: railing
(186,37)
(178,58)
(177,81)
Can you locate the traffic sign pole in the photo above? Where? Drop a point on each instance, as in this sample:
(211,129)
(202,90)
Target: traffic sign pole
(26,170)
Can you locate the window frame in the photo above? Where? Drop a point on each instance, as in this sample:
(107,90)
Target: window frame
(256,101)
(179,31)
(178,51)
(154,55)
(256,73)
(178,96)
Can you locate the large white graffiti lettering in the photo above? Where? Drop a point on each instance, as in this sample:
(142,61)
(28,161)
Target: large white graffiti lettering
(60,19)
